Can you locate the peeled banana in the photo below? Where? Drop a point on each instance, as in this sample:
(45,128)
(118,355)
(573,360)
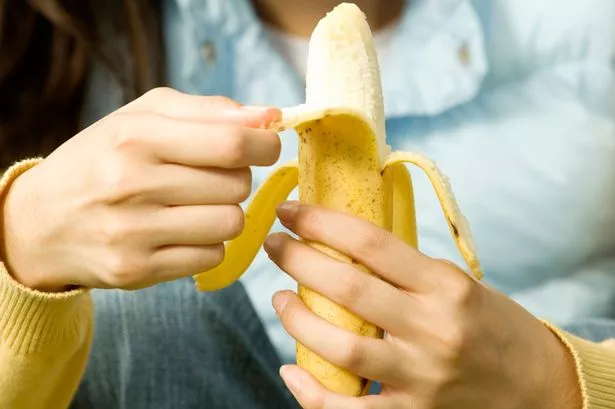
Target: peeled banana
(346,165)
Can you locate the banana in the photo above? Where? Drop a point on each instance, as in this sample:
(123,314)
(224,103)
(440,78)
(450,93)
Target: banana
(346,165)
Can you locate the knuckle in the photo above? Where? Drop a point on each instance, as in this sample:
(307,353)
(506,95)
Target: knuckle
(353,356)
(310,219)
(454,340)
(374,240)
(205,104)
(114,231)
(352,289)
(437,377)
(289,316)
(160,93)
(451,343)
(215,255)
(234,221)
(124,270)
(274,145)
(126,132)
(461,289)
(448,267)
(209,257)
(455,283)
(234,147)
(117,180)
(243,184)
(219,100)
(119,123)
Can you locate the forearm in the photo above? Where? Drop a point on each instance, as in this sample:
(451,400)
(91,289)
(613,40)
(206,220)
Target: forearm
(44,338)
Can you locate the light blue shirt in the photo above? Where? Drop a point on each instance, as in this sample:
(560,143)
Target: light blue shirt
(513,99)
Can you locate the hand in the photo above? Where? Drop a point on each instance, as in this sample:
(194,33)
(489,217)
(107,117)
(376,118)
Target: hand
(145,195)
(451,342)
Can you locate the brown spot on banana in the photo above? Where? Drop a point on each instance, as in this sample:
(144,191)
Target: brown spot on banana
(331,174)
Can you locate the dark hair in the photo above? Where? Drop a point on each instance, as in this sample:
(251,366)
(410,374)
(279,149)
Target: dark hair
(46,51)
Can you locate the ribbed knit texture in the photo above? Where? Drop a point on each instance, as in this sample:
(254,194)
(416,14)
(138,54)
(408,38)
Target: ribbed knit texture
(44,337)
(596,368)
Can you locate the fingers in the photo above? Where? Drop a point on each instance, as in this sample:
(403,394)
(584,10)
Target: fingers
(173,262)
(195,225)
(376,248)
(133,270)
(179,185)
(312,395)
(367,357)
(367,296)
(197,144)
(169,102)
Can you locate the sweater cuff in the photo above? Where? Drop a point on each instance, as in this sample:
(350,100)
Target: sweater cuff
(33,321)
(595,364)
(14,171)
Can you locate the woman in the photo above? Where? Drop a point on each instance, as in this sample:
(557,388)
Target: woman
(148,193)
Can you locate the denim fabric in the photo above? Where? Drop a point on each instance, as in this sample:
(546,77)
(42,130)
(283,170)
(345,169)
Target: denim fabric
(172,347)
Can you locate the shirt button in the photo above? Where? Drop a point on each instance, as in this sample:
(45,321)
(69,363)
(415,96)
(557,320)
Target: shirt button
(463,54)
(208,53)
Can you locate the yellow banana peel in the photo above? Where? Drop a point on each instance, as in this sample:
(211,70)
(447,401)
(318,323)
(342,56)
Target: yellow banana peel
(346,165)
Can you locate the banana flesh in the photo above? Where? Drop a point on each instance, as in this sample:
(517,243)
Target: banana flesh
(346,165)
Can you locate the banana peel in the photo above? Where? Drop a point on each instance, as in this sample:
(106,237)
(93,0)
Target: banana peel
(344,164)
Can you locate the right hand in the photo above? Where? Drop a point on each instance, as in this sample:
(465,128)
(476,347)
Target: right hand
(147,194)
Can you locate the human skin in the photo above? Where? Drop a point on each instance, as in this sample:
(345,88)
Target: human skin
(451,343)
(147,194)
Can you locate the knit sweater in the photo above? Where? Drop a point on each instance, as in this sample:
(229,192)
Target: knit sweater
(45,340)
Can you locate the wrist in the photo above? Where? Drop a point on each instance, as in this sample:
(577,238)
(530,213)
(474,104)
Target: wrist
(16,220)
(562,384)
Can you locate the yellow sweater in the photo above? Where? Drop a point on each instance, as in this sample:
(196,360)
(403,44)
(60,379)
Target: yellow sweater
(45,341)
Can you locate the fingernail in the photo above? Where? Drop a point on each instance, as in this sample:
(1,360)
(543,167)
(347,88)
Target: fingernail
(290,379)
(287,211)
(273,242)
(267,115)
(257,108)
(279,301)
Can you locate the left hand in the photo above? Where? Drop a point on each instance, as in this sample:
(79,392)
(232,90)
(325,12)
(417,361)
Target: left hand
(451,343)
